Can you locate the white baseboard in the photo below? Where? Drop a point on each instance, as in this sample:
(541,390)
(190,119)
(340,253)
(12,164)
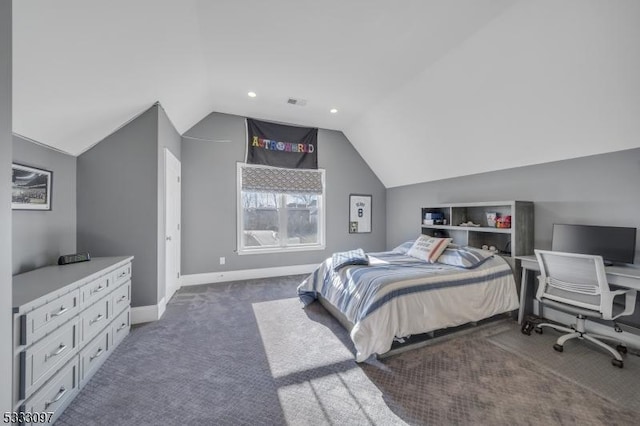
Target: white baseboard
(246,274)
(162,305)
(142,314)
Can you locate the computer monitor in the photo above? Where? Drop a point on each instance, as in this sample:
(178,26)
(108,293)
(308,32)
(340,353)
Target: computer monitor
(614,243)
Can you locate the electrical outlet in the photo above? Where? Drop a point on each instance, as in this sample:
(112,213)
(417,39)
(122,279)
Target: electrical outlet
(222,260)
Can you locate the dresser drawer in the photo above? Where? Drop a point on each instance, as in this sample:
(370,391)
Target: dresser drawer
(121,298)
(122,274)
(57,394)
(121,326)
(95,290)
(37,323)
(40,361)
(94,319)
(94,354)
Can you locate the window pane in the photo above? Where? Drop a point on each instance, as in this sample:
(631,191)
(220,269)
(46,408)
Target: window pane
(260,219)
(302,219)
(276,220)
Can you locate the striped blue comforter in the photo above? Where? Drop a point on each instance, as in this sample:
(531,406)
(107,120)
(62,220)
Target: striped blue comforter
(397,295)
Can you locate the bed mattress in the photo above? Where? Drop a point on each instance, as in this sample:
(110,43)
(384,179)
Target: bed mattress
(397,295)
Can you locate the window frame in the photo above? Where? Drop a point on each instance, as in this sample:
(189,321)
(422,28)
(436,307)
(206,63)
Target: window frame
(322,220)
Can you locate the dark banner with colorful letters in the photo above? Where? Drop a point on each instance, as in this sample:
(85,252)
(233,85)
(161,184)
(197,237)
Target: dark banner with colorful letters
(278,145)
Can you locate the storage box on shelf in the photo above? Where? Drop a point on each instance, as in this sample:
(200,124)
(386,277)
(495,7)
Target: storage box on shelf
(509,242)
(66,321)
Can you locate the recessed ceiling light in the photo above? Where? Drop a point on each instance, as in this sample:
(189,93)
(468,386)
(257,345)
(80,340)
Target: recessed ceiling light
(252,94)
(333,110)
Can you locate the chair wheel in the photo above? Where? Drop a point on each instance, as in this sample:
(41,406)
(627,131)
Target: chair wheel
(558,347)
(617,363)
(538,330)
(622,349)
(527,326)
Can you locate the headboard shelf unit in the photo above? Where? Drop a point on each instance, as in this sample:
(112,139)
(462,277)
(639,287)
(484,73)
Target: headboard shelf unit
(510,242)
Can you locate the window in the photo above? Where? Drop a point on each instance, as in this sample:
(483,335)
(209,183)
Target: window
(280,210)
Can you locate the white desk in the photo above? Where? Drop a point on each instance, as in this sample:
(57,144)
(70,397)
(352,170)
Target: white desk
(622,276)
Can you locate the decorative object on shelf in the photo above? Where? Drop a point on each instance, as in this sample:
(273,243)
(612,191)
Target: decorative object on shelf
(491,219)
(471,224)
(359,213)
(503,222)
(31,188)
(434,218)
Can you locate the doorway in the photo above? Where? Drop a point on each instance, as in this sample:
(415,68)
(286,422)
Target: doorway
(172,195)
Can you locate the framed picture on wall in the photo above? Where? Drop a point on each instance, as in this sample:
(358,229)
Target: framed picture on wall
(359,213)
(31,188)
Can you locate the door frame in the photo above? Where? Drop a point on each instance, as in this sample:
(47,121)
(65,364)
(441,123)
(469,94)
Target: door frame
(169,289)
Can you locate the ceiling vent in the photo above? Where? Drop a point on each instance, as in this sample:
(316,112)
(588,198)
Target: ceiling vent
(297,102)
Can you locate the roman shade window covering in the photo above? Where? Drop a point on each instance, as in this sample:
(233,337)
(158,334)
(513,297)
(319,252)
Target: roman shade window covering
(282,181)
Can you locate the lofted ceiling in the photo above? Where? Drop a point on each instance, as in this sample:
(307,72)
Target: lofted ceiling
(425,89)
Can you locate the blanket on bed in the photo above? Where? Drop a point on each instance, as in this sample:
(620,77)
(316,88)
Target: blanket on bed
(397,295)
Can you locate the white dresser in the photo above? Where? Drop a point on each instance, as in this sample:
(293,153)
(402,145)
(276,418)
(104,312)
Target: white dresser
(66,321)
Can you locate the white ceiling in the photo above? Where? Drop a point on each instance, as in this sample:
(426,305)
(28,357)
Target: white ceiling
(442,88)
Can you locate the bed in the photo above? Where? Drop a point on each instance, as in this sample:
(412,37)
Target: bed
(396,295)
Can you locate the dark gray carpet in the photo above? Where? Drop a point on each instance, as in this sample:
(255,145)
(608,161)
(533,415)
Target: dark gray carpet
(581,362)
(246,353)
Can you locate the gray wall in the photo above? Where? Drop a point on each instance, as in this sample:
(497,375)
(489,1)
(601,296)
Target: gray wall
(209,198)
(5,207)
(39,237)
(596,190)
(168,137)
(117,201)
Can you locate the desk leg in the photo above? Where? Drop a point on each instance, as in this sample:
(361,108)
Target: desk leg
(523,294)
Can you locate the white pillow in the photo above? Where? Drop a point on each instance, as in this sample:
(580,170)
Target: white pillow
(428,248)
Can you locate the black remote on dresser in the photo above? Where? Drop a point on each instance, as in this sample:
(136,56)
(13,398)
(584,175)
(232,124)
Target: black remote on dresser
(73,258)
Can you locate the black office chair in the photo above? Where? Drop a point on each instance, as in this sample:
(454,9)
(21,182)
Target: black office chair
(577,284)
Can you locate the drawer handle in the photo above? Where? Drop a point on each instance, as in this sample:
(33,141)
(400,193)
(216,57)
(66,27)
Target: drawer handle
(124,273)
(60,394)
(96,319)
(122,299)
(97,290)
(61,349)
(124,325)
(60,312)
(92,357)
